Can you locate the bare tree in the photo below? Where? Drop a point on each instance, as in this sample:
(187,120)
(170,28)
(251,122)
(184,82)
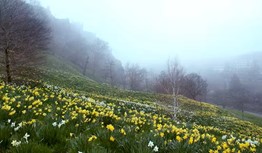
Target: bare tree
(23,32)
(109,71)
(170,82)
(162,84)
(238,95)
(135,76)
(97,49)
(111,65)
(85,64)
(193,86)
(175,74)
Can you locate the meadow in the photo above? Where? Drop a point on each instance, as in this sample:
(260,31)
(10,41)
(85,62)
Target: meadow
(68,112)
(39,117)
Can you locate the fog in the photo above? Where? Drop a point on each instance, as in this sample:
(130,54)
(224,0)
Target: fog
(148,32)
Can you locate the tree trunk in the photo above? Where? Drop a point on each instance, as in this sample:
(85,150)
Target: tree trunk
(85,66)
(242,110)
(7,66)
(175,103)
(242,114)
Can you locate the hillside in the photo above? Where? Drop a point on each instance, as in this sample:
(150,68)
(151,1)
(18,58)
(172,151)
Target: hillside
(67,112)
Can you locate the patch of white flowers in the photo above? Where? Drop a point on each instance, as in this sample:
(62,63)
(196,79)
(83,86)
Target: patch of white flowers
(252,142)
(151,145)
(59,124)
(13,124)
(18,127)
(15,143)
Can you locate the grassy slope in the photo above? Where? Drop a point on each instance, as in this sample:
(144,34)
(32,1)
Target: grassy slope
(69,77)
(204,123)
(58,72)
(247,116)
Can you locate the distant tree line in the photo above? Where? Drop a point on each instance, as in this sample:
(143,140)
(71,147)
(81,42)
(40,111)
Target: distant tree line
(238,84)
(91,55)
(172,81)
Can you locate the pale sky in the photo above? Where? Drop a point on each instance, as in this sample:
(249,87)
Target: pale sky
(147,32)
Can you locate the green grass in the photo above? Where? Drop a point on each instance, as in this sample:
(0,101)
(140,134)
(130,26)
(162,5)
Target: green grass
(246,116)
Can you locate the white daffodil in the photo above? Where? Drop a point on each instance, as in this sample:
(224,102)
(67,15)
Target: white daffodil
(13,124)
(20,124)
(155,149)
(63,122)
(54,124)
(150,144)
(17,128)
(9,121)
(59,125)
(15,143)
(255,142)
(224,137)
(249,141)
(26,136)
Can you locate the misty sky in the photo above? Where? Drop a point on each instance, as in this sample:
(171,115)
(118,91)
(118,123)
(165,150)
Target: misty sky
(149,31)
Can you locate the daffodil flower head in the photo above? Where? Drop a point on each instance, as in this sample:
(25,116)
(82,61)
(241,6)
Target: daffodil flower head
(26,136)
(110,127)
(13,124)
(155,149)
(150,144)
(224,137)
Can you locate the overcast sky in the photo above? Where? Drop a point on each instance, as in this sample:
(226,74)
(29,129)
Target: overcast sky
(149,31)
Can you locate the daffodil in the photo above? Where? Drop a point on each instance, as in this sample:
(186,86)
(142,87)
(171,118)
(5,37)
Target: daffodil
(15,143)
(12,124)
(190,140)
(155,149)
(161,134)
(178,138)
(26,136)
(224,137)
(150,144)
(110,127)
(54,124)
(123,131)
(93,137)
(213,139)
(112,138)
(12,113)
